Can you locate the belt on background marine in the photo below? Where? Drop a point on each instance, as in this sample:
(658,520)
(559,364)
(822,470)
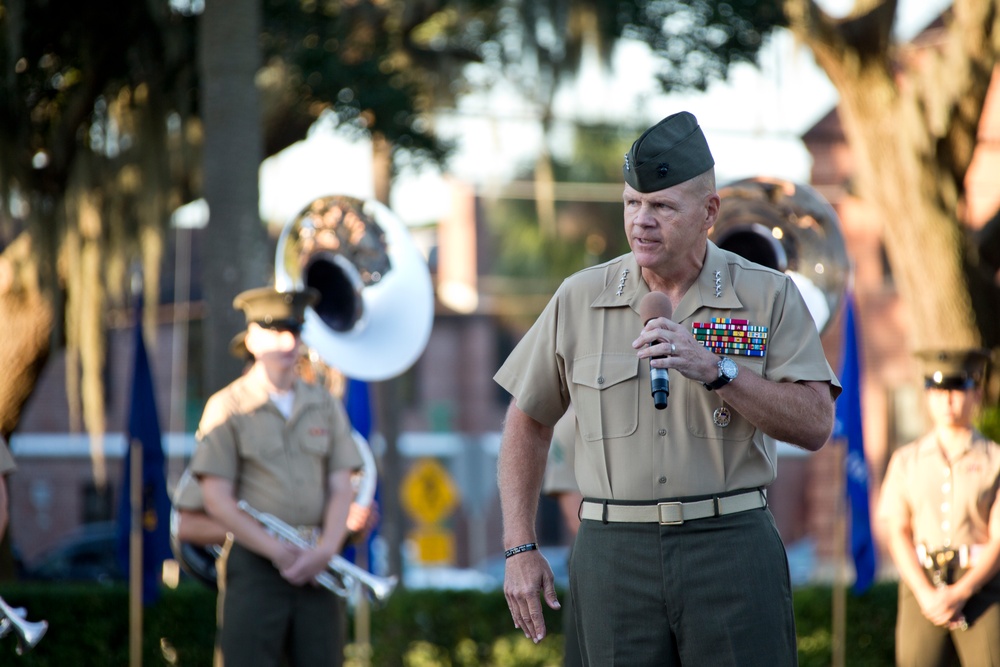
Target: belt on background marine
(308,533)
(672,513)
(962,556)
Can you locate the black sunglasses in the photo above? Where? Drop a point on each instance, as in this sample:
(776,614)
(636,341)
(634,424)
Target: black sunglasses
(291,327)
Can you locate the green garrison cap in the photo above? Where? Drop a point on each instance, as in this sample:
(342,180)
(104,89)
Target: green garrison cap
(671,152)
(268,307)
(953,369)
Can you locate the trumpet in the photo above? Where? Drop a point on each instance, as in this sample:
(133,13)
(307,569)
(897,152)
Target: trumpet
(346,571)
(28,633)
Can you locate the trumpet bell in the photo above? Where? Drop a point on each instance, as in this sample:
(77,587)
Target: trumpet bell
(28,632)
(376,304)
(789,227)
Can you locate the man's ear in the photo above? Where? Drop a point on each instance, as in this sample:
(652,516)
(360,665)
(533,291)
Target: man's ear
(712,205)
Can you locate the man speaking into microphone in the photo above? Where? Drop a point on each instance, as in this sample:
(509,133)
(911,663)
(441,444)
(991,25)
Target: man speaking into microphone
(677,560)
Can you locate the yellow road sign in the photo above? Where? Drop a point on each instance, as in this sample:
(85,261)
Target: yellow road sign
(428,492)
(434,545)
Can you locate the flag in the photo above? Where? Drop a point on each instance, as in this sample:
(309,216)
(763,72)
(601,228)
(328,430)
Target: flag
(849,427)
(144,427)
(357,403)
(358,406)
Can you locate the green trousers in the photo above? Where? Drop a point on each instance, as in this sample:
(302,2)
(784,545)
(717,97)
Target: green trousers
(714,592)
(920,643)
(264,621)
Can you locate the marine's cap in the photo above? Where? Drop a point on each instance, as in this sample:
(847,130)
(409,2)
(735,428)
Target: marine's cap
(671,152)
(268,307)
(953,369)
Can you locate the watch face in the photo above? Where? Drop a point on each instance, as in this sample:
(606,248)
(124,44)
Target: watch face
(728,368)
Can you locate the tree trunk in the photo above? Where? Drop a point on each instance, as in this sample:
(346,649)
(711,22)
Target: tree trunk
(911,125)
(28,317)
(923,237)
(236,253)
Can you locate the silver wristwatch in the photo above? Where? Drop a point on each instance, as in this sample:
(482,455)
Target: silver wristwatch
(728,370)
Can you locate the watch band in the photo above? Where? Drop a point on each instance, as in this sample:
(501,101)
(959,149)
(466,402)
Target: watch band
(720,381)
(724,377)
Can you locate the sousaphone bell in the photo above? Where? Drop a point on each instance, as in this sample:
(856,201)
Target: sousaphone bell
(376,304)
(792,228)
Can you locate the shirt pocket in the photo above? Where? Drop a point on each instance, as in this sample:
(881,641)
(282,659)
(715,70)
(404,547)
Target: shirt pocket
(314,433)
(262,436)
(606,396)
(706,410)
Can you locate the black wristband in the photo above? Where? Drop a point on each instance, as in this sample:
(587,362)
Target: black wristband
(516,550)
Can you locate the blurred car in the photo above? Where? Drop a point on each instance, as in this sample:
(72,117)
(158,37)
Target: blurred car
(558,557)
(86,554)
(442,577)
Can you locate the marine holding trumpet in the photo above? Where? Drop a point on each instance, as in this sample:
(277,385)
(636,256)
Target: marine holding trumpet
(285,448)
(939,508)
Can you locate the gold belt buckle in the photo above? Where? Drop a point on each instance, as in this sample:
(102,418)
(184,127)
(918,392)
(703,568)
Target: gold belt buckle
(675,508)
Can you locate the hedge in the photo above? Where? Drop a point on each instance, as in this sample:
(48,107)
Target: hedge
(88,625)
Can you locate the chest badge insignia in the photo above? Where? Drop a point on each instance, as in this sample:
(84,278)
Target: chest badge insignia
(722,417)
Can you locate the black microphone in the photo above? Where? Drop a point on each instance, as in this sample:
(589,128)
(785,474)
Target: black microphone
(653,305)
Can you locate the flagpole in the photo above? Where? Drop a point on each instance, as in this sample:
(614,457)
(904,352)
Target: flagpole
(362,611)
(135,556)
(852,488)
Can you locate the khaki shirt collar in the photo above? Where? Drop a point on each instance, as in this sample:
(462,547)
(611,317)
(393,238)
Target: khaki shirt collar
(928,445)
(713,288)
(256,396)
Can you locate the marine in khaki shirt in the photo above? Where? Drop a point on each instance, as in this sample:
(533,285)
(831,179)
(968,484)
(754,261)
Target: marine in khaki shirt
(277,465)
(285,447)
(580,351)
(559,477)
(560,483)
(939,510)
(653,581)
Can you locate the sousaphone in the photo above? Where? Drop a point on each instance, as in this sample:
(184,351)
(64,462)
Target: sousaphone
(376,307)
(792,228)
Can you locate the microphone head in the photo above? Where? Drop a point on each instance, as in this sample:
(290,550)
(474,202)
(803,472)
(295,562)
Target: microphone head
(655,304)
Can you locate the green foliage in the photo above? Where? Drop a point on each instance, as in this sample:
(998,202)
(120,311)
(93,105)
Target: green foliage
(88,626)
(587,231)
(870,623)
(696,42)
(989,422)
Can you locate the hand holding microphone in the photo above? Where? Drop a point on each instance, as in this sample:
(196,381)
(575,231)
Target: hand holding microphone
(653,305)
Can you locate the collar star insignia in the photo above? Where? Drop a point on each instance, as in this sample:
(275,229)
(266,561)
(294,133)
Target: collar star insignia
(718,284)
(621,283)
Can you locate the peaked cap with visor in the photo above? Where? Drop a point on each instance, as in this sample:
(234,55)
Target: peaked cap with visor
(953,369)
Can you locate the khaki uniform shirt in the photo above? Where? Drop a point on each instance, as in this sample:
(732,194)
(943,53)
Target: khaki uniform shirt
(559,477)
(580,351)
(187,493)
(7,464)
(947,504)
(277,466)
